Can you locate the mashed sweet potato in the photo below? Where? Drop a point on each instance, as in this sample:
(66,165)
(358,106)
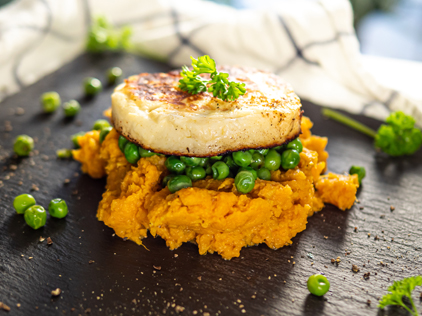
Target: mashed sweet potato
(212,213)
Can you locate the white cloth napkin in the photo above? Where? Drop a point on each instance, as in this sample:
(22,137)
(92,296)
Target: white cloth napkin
(311,43)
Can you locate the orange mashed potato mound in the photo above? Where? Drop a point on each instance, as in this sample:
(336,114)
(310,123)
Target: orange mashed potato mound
(212,213)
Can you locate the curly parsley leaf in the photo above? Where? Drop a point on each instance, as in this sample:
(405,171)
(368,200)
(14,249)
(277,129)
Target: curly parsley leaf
(398,137)
(218,84)
(398,290)
(103,36)
(203,65)
(191,82)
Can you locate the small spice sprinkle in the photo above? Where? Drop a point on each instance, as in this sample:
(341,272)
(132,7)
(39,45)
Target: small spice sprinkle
(56,292)
(4,307)
(49,241)
(179,309)
(355,268)
(157,267)
(42,238)
(392,208)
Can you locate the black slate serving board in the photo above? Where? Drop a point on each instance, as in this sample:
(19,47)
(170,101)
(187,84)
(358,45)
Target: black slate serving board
(100,274)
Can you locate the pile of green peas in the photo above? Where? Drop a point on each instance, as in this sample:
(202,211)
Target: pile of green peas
(35,215)
(244,166)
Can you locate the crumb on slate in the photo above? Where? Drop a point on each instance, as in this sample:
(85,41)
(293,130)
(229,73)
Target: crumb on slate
(56,292)
(4,307)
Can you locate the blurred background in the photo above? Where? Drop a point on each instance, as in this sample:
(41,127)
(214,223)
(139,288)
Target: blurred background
(387,28)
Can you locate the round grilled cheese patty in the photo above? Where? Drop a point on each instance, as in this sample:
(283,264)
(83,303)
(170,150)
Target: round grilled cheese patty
(150,110)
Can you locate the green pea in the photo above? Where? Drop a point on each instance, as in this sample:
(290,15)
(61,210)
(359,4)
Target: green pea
(92,86)
(74,138)
(122,143)
(58,208)
(252,151)
(263,152)
(63,153)
(257,160)
(244,182)
(318,284)
(35,216)
(71,108)
(179,182)
(146,153)
(100,124)
(23,145)
(242,158)
(113,74)
(132,153)
(251,170)
(22,202)
(174,165)
(220,170)
(203,162)
(208,169)
(104,132)
(360,171)
(167,179)
(296,145)
(190,161)
(290,158)
(230,162)
(264,174)
(196,173)
(216,157)
(50,101)
(272,160)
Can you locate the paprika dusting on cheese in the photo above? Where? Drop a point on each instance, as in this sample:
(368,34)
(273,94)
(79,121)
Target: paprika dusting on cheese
(212,213)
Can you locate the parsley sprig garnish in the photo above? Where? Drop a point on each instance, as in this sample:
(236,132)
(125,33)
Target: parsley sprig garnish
(398,290)
(219,84)
(396,138)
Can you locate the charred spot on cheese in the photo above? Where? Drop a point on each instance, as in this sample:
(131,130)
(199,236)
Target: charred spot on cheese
(151,111)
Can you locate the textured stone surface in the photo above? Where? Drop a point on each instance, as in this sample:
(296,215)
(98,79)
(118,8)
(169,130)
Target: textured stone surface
(109,276)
